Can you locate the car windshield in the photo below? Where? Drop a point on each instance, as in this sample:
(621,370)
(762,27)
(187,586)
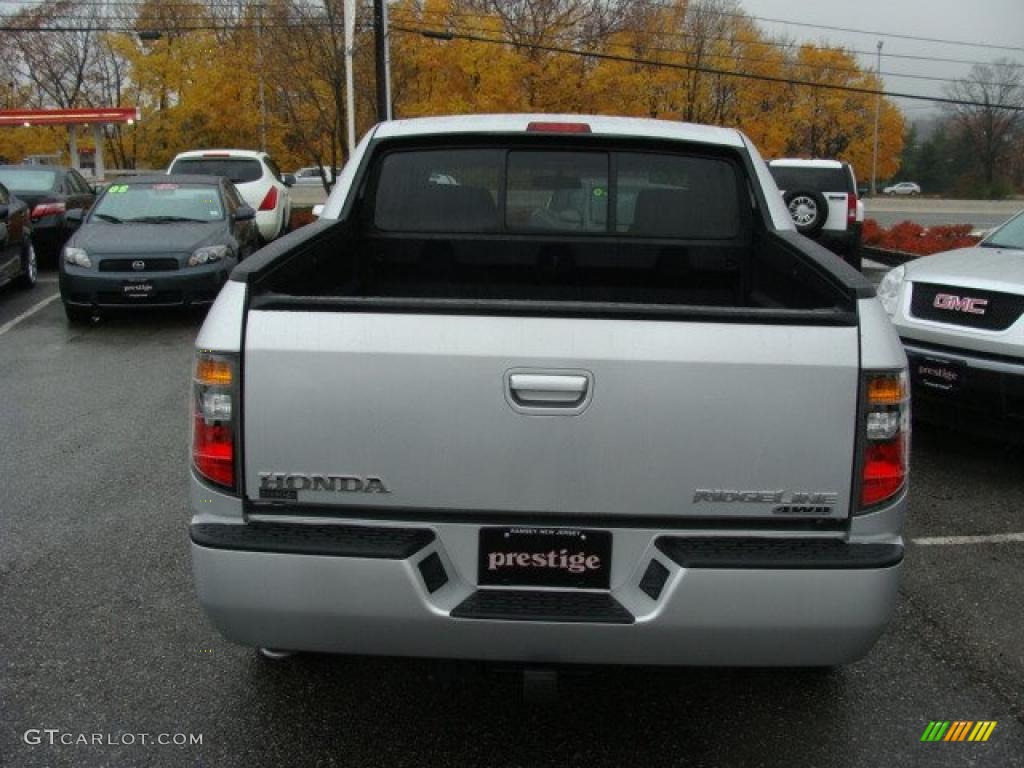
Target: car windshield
(27,179)
(163,202)
(239,169)
(1010,235)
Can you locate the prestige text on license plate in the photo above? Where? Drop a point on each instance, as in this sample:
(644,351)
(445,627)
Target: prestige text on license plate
(549,557)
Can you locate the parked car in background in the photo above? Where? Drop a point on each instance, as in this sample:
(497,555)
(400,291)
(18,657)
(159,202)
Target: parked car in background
(960,315)
(822,199)
(311,176)
(50,191)
(257,177)
(156,241)
(17,256)
(903,188)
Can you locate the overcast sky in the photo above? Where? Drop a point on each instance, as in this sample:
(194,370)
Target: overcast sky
(990,22)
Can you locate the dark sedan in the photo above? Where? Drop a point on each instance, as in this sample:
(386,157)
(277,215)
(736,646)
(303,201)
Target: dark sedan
(17,257)
(155,241)
(50,191)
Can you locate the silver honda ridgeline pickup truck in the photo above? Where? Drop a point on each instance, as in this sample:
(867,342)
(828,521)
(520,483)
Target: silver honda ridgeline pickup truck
(550,389)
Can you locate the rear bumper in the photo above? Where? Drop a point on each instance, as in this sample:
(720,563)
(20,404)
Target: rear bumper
(845,243)
(328,595)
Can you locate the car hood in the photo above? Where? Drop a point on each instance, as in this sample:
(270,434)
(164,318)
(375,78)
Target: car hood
(994,269)
(138,239)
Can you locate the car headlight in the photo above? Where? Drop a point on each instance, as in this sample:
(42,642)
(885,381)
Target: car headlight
(889,289)
(208,255)
(77,257)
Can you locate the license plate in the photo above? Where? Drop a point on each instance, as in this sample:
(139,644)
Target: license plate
(137,290)
(936,373)
(545,557)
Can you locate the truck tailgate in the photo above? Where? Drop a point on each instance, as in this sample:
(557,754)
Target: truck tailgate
(551,416)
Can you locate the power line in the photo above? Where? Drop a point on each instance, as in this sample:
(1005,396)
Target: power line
(452,35)
(725,38)
(752,59)
(228,5)
(873,33)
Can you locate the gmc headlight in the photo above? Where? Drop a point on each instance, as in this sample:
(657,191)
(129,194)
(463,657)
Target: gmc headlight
(208,255)
(889,289)
(77,257)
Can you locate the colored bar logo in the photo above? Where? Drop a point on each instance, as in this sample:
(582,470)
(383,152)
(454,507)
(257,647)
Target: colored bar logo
(958,730)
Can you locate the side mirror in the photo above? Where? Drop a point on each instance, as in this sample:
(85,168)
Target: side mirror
(245,213)
(73,217)
(288,179)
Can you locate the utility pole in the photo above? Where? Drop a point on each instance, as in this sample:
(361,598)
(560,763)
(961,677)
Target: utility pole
(878,105)
(380,26)
(349,9)
(259,65)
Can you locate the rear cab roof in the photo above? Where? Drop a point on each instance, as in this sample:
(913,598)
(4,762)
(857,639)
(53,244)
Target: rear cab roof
(600,125)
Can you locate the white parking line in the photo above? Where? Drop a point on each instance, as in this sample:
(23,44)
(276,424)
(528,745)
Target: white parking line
(995,538)
(27,313)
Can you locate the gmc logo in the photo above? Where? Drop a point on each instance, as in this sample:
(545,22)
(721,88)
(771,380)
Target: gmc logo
(960,303)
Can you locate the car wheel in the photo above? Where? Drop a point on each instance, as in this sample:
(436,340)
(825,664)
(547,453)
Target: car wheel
(808,209)
(77,315)
(29,267)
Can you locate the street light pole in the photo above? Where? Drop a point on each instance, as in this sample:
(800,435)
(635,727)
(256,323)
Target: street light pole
(380,24)
(262,87)
(878,104)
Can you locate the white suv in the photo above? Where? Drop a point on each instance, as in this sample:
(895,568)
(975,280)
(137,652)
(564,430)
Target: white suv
(822,199)
(255,175)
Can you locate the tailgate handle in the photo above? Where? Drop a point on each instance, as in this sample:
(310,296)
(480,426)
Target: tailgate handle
(548,390)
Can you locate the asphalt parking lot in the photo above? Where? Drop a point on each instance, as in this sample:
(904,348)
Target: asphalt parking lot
(101,634)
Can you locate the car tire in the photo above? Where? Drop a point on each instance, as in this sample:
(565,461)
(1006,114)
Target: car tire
(29,267)
(77,315)
(808,209)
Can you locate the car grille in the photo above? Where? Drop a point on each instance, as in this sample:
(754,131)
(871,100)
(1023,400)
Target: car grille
(158,264)
(948,304)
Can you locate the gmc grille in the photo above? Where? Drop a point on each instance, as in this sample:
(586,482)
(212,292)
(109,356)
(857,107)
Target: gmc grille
(992,311)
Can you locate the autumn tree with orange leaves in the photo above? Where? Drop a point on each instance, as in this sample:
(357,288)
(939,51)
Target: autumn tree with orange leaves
(197,71)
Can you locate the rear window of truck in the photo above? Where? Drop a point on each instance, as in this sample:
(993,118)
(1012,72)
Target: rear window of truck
(481,190)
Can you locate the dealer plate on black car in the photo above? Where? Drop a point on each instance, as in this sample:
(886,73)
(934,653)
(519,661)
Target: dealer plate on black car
(137,290)
(545,557)
(936,373)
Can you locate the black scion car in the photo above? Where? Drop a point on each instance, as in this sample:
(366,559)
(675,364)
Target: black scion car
(50,191)
(155,241)
(17,257)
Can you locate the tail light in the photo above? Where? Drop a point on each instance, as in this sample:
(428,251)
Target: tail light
(214,397)
(270,201)
(851,207)
(886,437)
(50,208)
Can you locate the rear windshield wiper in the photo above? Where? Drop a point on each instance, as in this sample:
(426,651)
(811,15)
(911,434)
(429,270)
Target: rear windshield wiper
(108,217)
(162,219)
